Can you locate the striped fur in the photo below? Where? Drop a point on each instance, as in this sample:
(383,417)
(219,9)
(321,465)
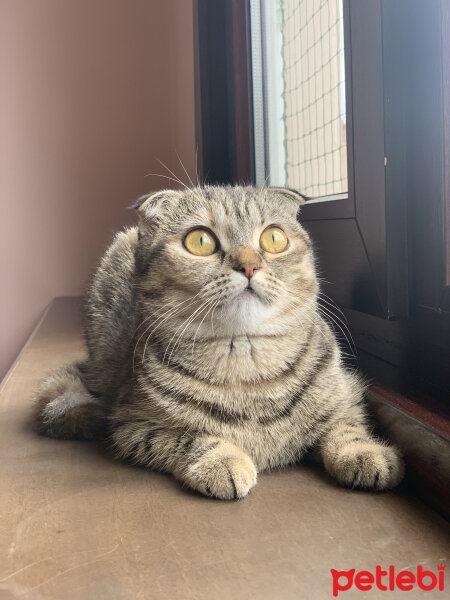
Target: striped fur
(193,374)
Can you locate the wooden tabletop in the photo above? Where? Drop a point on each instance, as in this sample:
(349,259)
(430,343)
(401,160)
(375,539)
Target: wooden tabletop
(77,525)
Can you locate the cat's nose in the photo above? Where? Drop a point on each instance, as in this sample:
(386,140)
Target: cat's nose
(246,261)
(248,268)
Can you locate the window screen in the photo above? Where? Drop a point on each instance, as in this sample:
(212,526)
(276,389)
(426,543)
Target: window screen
(299,95)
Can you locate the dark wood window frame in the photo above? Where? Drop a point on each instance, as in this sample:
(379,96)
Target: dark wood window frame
(223,73)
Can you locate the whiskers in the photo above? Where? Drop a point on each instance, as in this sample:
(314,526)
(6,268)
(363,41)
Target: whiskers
(324,307)
(200,305)
(177,336)
(212,307)
(327,307)
(158,321)
(197,186)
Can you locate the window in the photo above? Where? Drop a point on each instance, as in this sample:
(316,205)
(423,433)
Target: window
(298,51)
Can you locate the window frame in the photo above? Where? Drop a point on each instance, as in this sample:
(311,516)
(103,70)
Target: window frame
(224,118)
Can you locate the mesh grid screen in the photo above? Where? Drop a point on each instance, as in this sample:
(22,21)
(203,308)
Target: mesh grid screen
(314,96)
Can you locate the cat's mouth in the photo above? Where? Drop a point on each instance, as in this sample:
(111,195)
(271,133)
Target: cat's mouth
(249,292)
(245,294)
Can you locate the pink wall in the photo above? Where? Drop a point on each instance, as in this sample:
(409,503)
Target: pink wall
(91,92)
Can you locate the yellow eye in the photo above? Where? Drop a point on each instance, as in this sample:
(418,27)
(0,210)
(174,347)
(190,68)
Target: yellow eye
(273,240)
(200,242)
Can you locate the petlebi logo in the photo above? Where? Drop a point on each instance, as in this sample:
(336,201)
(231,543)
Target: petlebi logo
(388,580)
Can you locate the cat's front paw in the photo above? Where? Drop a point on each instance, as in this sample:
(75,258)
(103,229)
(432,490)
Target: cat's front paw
(368,466)
(224,471)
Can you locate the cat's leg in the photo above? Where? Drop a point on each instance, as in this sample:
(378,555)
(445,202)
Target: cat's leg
(358,460)
(206,463)
(64,407)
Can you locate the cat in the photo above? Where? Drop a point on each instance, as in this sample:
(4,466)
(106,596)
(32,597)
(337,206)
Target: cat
(207,356)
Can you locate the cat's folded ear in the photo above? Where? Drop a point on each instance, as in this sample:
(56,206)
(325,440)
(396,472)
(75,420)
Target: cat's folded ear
(293,195)
(295,198)
(151,206)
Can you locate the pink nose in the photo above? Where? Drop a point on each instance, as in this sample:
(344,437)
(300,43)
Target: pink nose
(248,268)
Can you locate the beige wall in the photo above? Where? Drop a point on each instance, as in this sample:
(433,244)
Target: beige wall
(91,93)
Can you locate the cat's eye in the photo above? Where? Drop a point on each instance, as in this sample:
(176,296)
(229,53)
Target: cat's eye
(200,242)
(273,240)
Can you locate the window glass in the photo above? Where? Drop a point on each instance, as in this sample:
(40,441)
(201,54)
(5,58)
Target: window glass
(300,119)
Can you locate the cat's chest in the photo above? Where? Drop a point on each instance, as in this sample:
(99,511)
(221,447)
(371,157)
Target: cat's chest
(238,360)
(228,383)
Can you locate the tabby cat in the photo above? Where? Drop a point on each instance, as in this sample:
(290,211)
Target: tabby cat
(207,355)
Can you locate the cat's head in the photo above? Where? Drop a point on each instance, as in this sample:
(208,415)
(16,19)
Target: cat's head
(236,252)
